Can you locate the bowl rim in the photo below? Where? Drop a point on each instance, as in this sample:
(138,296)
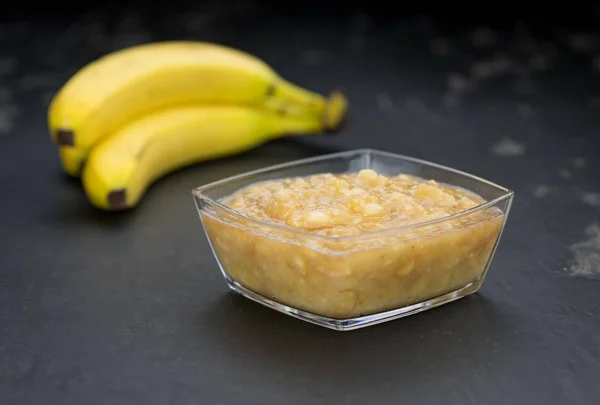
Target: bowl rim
(198,192)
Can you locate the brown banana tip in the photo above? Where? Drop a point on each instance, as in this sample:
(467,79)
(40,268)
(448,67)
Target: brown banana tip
(341,124)
(65,137)
(339,127)
(337,92)
(117,199)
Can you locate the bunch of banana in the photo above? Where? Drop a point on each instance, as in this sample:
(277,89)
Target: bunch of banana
(134,115)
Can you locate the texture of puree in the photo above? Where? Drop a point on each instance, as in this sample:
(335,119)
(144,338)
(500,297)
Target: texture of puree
(339,266)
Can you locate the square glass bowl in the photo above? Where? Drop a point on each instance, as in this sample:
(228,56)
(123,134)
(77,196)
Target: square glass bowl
(350,282)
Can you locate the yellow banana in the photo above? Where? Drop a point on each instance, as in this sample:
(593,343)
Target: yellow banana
(72,160)
(127,84)
(126,163)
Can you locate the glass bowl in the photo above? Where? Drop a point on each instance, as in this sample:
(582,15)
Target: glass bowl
(349,282)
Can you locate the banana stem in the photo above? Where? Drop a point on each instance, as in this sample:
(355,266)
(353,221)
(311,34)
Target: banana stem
(311,102)
(293,127)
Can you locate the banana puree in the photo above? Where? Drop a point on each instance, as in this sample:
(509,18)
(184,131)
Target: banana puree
(347,245)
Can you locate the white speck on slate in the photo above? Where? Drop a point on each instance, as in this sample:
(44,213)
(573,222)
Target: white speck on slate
(494,67)
(508,147)
(450,100)
(579,162)
(586,260)
(459,83)
(582,42)
(385,102)
(7,114)
(541,191)
(592,199)
(483,37)
(440,46)
(524,110)
(416,105)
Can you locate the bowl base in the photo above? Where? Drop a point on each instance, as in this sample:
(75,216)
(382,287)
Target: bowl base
(358,322)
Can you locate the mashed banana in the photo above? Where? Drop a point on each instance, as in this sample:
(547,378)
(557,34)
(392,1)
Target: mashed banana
(350,244)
